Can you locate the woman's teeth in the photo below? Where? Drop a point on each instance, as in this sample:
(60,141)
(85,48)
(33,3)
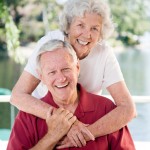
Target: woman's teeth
(82,42)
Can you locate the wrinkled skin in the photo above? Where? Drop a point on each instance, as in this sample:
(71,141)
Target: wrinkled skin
(59,123)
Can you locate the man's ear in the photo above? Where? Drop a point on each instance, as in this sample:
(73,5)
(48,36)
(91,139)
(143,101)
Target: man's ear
(78,67)
(39,73)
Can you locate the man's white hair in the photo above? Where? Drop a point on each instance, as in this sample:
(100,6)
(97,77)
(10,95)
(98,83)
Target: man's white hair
(53,45)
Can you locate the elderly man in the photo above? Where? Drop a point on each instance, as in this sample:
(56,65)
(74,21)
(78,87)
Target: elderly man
(58,68)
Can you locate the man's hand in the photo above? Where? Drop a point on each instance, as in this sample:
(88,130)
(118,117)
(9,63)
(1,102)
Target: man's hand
(77,136)
(59,123)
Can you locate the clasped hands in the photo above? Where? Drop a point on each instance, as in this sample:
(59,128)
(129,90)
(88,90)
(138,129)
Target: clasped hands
(67,131)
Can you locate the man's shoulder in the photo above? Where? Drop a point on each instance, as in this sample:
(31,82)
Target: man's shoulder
(95,98)
(98,97)
(100,100)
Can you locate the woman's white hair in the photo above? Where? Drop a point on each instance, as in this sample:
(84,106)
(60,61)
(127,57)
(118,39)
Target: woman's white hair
(77,8)
(53,45)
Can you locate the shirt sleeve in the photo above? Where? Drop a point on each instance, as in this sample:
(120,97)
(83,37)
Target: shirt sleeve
(31,64)
(121,140)
(112,72)
(21,137)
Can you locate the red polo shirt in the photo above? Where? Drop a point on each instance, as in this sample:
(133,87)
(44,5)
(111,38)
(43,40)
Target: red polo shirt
(28,129)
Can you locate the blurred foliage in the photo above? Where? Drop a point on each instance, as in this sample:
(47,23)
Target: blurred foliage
(131,19)
(9,32)
(34,18)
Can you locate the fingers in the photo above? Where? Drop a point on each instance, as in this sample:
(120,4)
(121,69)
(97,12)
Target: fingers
(76,141)
(72,139)
(64,112)
(81,139)
(69,115)
(60,111)
(79,133)
(49,113)
(72,119)
(88,133)
(66,145)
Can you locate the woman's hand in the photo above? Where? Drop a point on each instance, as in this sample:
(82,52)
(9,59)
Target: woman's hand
(77,136)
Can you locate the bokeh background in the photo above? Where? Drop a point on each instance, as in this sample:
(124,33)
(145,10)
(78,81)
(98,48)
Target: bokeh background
(23,23)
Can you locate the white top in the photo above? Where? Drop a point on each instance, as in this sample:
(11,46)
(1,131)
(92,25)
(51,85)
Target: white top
(99,69)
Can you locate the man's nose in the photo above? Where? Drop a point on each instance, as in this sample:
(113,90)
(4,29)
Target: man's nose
(61,77)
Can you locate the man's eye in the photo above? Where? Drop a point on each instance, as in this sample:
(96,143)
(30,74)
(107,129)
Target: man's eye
(66,69)
(51,73)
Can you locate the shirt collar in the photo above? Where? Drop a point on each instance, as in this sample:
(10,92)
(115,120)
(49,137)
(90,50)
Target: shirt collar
(85,103)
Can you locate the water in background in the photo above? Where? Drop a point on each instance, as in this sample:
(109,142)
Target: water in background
(140,126)
(135,65)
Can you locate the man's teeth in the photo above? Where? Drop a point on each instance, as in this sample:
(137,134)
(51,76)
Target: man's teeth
(82,42)
(61,86)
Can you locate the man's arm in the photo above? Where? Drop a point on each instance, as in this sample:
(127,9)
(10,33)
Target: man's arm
(24,133)
(58,125)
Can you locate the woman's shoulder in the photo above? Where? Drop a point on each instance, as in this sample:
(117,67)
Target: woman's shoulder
(103,46)
(101,50)
(55,34)
(51,35)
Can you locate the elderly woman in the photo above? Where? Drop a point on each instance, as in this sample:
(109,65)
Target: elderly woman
(58,69)
(85,25)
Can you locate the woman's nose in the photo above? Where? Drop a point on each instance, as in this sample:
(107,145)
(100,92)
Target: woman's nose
(87,33)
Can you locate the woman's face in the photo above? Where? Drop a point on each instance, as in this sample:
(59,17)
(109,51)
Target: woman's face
(84,33)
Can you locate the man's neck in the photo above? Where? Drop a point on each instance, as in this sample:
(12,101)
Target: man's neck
(73,103)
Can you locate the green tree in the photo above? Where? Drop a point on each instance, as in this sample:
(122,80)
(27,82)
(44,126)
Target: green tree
(50,13)
(9,32)
(131,19)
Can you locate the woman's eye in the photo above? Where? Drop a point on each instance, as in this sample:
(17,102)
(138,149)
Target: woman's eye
(80,25)
(95,29)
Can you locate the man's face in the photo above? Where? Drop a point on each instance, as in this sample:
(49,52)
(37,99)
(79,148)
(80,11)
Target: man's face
(60,74)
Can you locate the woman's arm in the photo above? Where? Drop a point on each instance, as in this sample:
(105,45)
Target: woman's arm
(111,122)
(118,117)
(22,99)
